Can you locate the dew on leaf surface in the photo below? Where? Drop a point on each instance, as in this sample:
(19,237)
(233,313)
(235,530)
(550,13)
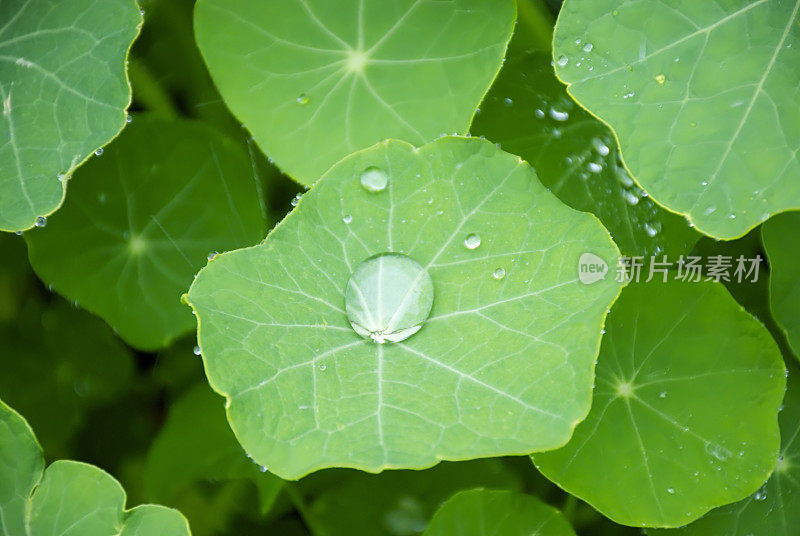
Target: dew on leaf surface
(388,297)
(472,241)
(373,179)
(303,99)
(499,273)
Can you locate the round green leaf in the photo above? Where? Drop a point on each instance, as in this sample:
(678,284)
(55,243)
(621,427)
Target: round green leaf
(681,422)
(503,364)
(316,80)
(69,498)
(704,102)
(64,93)
(780,242)
(197,444)
(481,512)
(773,510)
(142,219)
(530,114)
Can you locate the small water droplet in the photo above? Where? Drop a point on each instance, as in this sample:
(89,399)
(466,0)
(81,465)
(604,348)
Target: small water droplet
(303,99)
(388,297)
(499,273)
(99,151)
(128,119)
(296,199)
(588,47)
(472,241)
(196,350)
(508,102)
(558,115)
(41,221)
(601,148)
(631,198)
(652,228)
(323,367)
(628,95)
(671,491)
(594,167)
(660,78)
(718,451)
(562,61)
(538,113)
(709,210)
(761,494)
(373,179)
(263,468)
(347,218)
(212,255)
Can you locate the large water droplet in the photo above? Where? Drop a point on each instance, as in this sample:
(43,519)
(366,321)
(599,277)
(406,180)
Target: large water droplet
(388,297)
(562,60)
(373,179)
(472,241)
(500,273)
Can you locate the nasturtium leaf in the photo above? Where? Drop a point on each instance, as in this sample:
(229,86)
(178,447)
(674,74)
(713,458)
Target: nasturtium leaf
(317,80)
(504,362)
(400,503)
(196,444)
(56,363)
(530,114)
(482,512)
(68,498)
(680,423)
(702,97)
(142,219)
(783,250)
(64,93)
(773,510)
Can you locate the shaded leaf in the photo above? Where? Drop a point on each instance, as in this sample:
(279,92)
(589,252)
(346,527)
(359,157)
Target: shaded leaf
(704,103)
(315,81)
(57,362)
(142,219)
(482,512)
(504,363)
(400,503)
(681,422)
(64,93)
(196,444)
(69,498)
(530,114)
(780,241)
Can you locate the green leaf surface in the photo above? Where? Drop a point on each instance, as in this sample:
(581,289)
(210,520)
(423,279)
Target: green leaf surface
(56,363)
(482,512)
(783,250)
(504,363)
(197,444)
(69,498)
(702,97)
(773,510)
(681,422)
(142,219)
(530,114)
(64,93)
(401,503)
(316,80)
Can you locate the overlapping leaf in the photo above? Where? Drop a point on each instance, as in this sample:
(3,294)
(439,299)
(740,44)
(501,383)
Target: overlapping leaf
(142,219)
(681,421)
(704,101)
(316,80)
(780,235)
(64,93)
(530,114)
(504,363)
(483,512)
(68,498)
(773,510)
